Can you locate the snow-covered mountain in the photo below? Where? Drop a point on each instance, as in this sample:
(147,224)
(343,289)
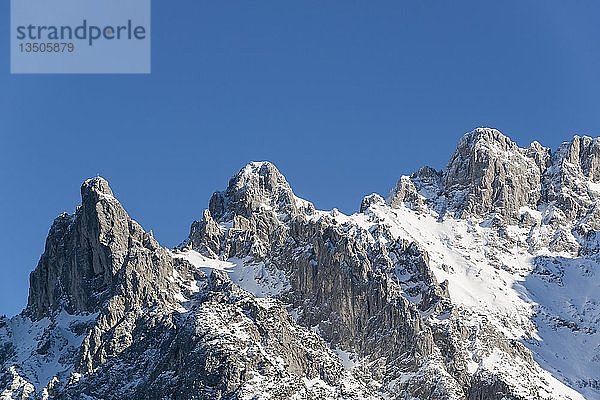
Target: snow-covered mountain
(480,281)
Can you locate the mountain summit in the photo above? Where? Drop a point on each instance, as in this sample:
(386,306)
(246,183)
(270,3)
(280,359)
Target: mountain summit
(479,281)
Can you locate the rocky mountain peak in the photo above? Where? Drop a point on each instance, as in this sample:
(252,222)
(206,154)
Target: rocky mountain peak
(258,201)
(257,187)
(96,186)
(571,178)
(540,154)
(85,253)
(484,138)
(262,175)
(583,152)
(475,151)
(490,173)
(78,263)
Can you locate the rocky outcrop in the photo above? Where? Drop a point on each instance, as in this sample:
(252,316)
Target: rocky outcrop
(405,193)
(93,255)
(100,261)
(490,173)
(258,187)
(229,344)
(416,190)
(570,181)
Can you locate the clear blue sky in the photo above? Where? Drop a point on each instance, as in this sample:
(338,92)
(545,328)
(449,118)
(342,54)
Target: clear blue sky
(343,96)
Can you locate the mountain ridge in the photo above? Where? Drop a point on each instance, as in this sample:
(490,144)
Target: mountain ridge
(441,291)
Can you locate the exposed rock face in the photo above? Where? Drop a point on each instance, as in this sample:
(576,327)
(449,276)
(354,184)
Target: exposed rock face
(229,345)
(364,291)
(257,187)
(573,172)
(254,202)
(94,255)
(490,173)
(405,193)
(78,261)
(100,261)
(437,293)
(413,191)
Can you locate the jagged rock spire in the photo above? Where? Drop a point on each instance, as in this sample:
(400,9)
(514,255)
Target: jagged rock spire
(85,253)
(82,255)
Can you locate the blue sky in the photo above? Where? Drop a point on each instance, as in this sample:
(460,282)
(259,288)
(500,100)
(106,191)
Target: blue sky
(343,96)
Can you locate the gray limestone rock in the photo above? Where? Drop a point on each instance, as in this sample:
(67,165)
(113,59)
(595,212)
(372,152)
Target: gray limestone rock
(490,173)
